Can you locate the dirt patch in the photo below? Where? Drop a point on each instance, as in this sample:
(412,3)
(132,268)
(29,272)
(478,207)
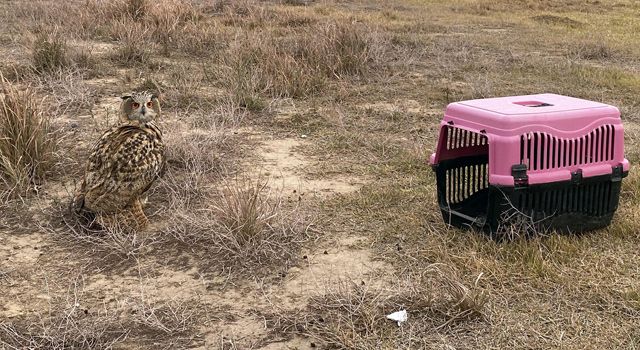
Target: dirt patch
(323,270)
(243,333)
(410,106)
(22,249)
(285,167)
(94,47)
(297,343)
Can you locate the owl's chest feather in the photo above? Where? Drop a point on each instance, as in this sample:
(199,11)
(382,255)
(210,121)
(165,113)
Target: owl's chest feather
(129,152)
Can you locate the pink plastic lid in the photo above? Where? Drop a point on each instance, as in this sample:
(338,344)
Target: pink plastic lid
(557,112)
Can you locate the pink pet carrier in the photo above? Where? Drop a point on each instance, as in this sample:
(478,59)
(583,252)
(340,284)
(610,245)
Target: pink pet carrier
(557,160)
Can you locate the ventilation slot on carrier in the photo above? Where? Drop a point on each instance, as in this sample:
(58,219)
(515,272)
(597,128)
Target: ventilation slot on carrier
(594,199)
(540,151)
(462,182)
(459,138)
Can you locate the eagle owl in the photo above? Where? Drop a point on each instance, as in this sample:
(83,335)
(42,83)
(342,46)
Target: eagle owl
(123,165)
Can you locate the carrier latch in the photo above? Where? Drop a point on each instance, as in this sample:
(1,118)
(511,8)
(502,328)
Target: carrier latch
(576,177)
(519,173)
(616,173)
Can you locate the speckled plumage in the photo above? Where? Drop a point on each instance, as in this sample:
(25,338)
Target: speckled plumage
(124,163)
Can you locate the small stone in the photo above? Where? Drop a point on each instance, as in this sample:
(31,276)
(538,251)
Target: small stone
(303,136)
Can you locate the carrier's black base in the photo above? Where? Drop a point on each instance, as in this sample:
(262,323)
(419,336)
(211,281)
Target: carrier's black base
(468,200)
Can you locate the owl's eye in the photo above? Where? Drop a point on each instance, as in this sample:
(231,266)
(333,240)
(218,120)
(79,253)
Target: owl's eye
(135,105)
(149,104)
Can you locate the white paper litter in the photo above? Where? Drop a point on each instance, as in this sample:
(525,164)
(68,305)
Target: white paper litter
(398,316)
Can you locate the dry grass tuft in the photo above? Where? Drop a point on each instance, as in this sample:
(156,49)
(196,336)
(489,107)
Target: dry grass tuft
(196,157)
(201,39)
(134,48)
(515,225)
(248,230)
(28,141)
(592,50)
(50,53)
(345,49)
(297,66)
(366,82)
(558,20)
(137,9)
(184,91)
(245,215)
(469,302)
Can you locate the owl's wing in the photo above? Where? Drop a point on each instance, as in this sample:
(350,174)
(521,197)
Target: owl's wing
(124,163)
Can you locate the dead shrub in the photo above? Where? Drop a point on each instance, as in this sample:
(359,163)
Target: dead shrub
(203,149)
(172,319)
(72,93)
(84,19)
(226,115)
(351,315)
(273,68)
(66,324)
(70,321)
(28,141)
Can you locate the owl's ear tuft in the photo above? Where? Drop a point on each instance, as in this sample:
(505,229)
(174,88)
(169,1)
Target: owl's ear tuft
(125,97)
